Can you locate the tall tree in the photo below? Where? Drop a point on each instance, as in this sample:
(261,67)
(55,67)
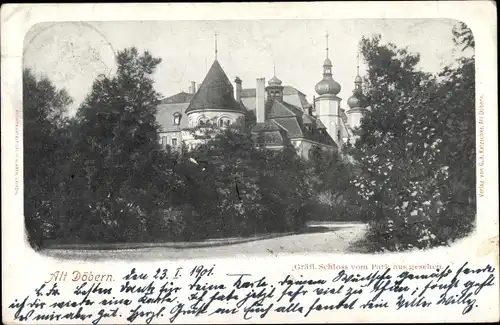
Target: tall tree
(403,172)
(125,173)
(45,153)
(457,106)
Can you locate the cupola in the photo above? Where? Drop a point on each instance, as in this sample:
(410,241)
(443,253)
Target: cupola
(327,86)
(355,100)
(274,89)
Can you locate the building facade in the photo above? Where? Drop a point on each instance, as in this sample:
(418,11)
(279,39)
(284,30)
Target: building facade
(283,114)
(213,103)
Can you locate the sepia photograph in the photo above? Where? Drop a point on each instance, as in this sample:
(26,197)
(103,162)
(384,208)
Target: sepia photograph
(145,140)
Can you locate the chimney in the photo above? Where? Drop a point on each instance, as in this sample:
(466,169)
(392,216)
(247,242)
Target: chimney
(237,92)
(260,100)
(193,87)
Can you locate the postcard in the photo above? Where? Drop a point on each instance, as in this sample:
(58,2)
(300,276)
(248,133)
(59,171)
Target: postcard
(286,162)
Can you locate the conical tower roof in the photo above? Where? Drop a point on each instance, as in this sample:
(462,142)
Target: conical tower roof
(216,92)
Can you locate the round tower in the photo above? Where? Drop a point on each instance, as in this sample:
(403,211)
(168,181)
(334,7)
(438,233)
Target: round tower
(327,103)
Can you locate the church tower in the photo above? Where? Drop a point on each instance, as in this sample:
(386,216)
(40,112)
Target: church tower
(327,103)
(355,112)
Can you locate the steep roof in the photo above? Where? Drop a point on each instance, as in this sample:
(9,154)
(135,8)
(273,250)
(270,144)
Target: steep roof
(248,92)
(169,107)
(275,109)
(296,129)
(291,95)
(215,92)
(287,90)
(291,125)
(165,116)
(249,103)
(314,134)
(269,133)
(181,97)
(296,123)
(266,126)
(296,110)
(320,124)
(307,119)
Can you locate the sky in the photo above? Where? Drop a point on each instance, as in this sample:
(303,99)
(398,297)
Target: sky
(72,54)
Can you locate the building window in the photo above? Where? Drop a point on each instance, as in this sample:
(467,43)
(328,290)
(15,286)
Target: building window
(163,141)
(224,122)
(203,121)
(177,119)
(174,142)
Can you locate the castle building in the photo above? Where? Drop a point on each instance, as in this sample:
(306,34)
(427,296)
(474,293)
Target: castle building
(283,114)
(213,103)
(280,123)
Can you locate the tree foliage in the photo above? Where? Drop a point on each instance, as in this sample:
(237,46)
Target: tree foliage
(329,176)
(113,180)
(124,176)
(237,189)
(462,36)
(46,147)
(415,153)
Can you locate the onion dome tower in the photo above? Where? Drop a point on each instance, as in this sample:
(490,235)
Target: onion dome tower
(355,112)
(327,103)
(327,86)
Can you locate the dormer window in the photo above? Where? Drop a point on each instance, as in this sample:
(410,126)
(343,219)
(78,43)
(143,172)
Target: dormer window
(177,119)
